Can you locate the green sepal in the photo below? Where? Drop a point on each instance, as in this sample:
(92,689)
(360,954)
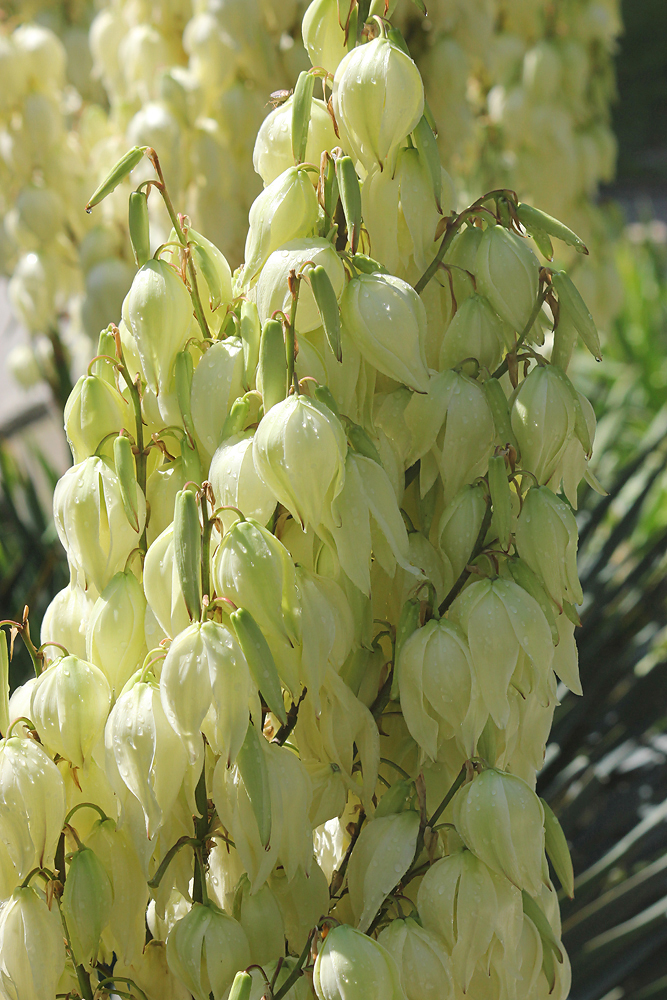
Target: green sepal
(565,339)
(241,986)
(302,103)
(524,577)
(543,242)
(367,265)
(362,443)
(203,263)
(187,549)
(396,799)
(580,425)
(323,394)
(557,849)
(330,191)
(501,498)
(260,661)
(117,174)
(532,218)
(138,225)
(408,623)
(497,401)
(183,372)
(272,367)
(572,304)
(427,146)
(571,613)
(106,345)
(350,196)
(251,334)
(327,303)
(534,911)
(251,762)
(236,418)
(127,478)
(191,462)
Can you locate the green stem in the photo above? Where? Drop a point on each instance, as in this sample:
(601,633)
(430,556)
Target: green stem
(205,550)
(61,386)
(295,283)
(84,805)
(448,797)
(339,874)
(121,979)
(502,367)
(84,983)
(142,455)
(199,894)
(390,763)
(169,856)
(296,971)
(465,572)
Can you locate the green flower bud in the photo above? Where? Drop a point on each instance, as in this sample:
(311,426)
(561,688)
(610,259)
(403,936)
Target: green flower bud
(378,99)
(273,146)
(352,966)
(386,319)
(322,34)
(115,639)
(286,210)
(118,173)
(273,292)
(125,932)
(162,584)
(501,621)
(138,226)
(475,332)
(469,906)
(574,309)
(380,858)
(254,570)
(501,820)
(69,706)
(236,483)
(91,522)
(158,312)
(32,804)
(251,333)
(150,759)
(87,901)
(423,964)
(543,421)
(299,451)
(303,901)
(241,986)
(507,273)
(546,539)
(459,527)
(261,919)
(435,682)
(219,376)
(32,952)
(261,662)
(187,550)
(206,949)
(214,279)
(93,410)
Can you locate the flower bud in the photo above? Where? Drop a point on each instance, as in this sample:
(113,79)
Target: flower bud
(236,483)
(474,332)
(32,952)
(143,753)
(272,285)
(115,640)
(273,146)
(423,964)
(378,99)
(69,706)
(205,676)
(386,319)
(218,376)
(259,915)
(459,527)
(546,539)
(501,820)
(93,410)
(66,620)
(380,858)
(469,906)
(543,420)
(125,932)
(86,903)
(162,585)
(435,683)
(158,311)
(501,621)
(322,34)
(286,210)
(91,521)
(32,804)
(507,273)
(299,451)
(206,949)
(352,966)
(254,570)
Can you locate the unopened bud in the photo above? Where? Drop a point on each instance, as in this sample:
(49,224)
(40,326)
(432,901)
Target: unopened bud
(87,901)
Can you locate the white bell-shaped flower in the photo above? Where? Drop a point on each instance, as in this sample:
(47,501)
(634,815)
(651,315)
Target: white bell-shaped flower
(32,951)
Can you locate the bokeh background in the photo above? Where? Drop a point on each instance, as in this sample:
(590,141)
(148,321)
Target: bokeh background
(566,100)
